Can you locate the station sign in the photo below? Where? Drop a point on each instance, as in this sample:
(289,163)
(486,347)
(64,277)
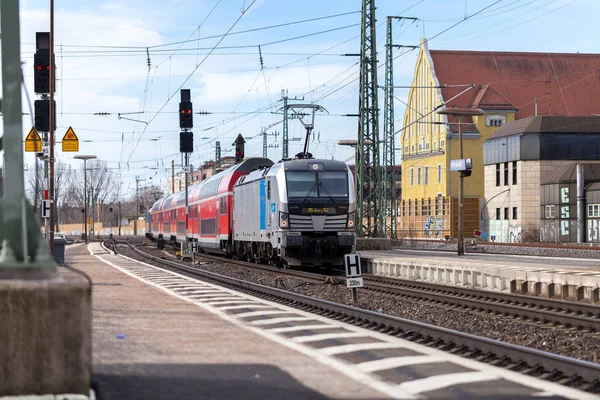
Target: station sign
(461,165)
(352,263)
(45,209)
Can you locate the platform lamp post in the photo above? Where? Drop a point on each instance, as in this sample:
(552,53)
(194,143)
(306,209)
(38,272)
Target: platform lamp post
(85,158)
(354,143)
(460,113)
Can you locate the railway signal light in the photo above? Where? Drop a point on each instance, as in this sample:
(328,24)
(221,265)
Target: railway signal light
(186,116)
(186,113)
(239,148)
(186,142)
(42,115)
(41,72)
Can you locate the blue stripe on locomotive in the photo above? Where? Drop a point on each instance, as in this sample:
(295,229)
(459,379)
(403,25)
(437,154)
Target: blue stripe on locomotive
(263,205)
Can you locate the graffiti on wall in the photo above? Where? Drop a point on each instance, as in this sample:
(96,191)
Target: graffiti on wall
(549,233)
(514,234)
(433,227)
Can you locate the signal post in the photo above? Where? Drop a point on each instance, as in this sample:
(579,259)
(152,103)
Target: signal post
(186,147)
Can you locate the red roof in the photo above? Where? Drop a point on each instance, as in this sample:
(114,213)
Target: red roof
(564,84)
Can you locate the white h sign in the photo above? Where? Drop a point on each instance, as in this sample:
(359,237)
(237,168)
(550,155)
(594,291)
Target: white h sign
(45,208)
(352,262)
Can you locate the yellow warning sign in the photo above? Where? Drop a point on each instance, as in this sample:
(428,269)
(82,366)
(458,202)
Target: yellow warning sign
(33,141)
(70,142)
(89,221)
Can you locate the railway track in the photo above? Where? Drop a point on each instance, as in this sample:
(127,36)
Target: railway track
(565,370)
(535,309)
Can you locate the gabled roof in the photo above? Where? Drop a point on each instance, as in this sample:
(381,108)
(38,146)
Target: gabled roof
(547,124)
(562,83)
(488,98)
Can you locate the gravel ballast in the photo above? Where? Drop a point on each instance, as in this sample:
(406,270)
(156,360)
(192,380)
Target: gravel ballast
(569,342)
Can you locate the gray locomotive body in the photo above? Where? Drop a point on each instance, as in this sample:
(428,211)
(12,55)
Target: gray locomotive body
(296,212)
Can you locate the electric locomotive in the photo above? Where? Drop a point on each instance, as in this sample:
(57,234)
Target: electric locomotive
(295,212)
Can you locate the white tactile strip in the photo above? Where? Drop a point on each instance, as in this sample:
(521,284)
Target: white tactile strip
(393,366)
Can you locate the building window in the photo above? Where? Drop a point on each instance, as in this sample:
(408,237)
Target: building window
(419,176)
(514,213)
(420,147)
(405,149)
(412,176)
(442,142)
(412,148)
(497,174)
(495,120)
(505,174)
(497,213)
(505,212)
(594,210)
(439,173)
(549,212)
(435,146)
(426,175)
(514,172)
(426,146)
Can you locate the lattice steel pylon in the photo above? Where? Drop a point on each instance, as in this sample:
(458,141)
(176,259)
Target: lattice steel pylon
(368,191)
(389,154)
(284,150)
(218,154)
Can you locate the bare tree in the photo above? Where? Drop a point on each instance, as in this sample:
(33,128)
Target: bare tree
(149,195)
(36,184)
(101,186)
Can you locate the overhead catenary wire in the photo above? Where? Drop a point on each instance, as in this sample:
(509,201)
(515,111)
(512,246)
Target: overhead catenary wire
(190,75)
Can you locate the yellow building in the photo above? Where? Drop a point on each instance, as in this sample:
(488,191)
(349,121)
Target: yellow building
(429,141)
(507,86)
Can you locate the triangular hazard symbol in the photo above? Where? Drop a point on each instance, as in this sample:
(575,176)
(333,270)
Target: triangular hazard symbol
(70,135)
(33,134)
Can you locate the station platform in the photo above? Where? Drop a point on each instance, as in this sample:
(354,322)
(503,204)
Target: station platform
(572,279)
(149,345)
(161,335)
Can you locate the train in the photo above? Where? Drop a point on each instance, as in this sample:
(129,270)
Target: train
(296,212)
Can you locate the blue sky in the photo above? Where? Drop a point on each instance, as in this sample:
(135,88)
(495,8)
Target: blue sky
(103,67)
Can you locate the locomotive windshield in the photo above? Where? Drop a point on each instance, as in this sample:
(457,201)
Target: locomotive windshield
(317,184)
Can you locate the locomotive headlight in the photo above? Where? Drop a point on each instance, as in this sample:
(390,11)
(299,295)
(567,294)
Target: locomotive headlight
(284,220)
(351,220)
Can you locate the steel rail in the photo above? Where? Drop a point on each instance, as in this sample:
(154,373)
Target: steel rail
(586,316)
(546,365)
(535,308)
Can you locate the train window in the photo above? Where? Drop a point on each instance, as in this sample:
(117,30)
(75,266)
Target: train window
(269,190)
(223,205)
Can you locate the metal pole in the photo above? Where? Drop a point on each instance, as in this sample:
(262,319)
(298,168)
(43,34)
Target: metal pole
(172,176)
(580,205)
(119,217)
(15,235)
(51,119)
(137,205)
(46,186)
(461,248)
(187,168)
(85,200)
